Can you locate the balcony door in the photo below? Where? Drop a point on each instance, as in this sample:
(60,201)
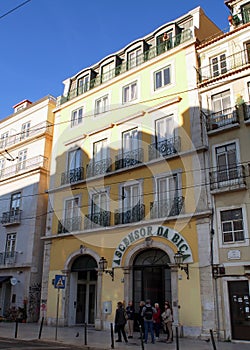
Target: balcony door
(72,215)
(167,191)
(226,159)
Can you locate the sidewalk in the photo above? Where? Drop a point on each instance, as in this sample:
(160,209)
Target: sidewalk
(97,340)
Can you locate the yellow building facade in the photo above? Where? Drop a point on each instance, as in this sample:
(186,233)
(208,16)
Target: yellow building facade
(129,187)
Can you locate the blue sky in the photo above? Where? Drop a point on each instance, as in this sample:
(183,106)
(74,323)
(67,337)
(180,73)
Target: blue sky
(47,41)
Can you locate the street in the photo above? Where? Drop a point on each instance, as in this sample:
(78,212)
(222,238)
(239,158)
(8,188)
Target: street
(14,344)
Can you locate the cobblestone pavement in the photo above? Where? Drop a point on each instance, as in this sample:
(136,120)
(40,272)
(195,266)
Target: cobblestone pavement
(93,339)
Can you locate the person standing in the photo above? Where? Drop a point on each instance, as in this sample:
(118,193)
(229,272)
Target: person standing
(157,321)
(168,320)
(130,322)
(140,318)
(147,314)
(120,322)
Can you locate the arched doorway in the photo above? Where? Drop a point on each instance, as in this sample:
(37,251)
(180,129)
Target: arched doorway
(151,277)
(84,272)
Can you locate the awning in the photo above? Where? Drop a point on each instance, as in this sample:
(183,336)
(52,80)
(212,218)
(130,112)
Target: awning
(4,278)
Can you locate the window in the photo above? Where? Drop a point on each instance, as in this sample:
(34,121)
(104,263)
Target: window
(100,150)
(25,130)
(245,10)
(219,65)
(164,128)
(10,246)
(22,156)
(167,189)
(83,84)
(4,139)
(135,58)
(2,163)
(74,159)
(130,196)
(226,159)
(15,202)
(108,71)
(221,102)
(129,92)
(232,226)
(130,140)
(101,105)
(76,117)
(72,219)
(248,52)
(162,78)
(99,203)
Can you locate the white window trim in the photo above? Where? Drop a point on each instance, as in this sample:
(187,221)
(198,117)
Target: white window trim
(71,198)
(72,150)
(71,113)
(172,77)
(127,184)
(246,233)
(177,172)
(108,105)
(137,81)
(100,191)
(236,141)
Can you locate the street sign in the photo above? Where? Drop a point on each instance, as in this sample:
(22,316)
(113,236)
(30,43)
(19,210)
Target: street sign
(59,281)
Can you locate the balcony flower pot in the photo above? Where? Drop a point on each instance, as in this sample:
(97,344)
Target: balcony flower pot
(230,19)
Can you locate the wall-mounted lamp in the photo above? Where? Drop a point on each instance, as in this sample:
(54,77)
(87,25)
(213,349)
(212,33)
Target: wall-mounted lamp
(103,266)
(178,258)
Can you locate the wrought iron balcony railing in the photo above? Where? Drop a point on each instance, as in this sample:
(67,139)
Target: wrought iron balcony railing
(165,208)
(241,17)
(12,217)
(164,148)
(233,62)
(223,118)
(128,159)
(99,167)
(154,51)
(7,258)
(25,165)
(72,175)
(97,219)
(41,128)
(70,225)
(129,215)
(229,176)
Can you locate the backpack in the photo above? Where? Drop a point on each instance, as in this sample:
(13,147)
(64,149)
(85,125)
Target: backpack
(148,313)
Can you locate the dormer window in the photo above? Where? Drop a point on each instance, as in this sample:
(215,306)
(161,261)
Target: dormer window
(135,58)
(108,71)
(83,84)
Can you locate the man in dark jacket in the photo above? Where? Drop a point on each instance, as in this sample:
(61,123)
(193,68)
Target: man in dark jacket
(120,321)
(147,314)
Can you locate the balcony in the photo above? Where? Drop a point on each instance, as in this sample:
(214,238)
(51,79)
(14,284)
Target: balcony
(233,177)
(24,166)
(70,225)
(166,208)
(38,129)
(100,167)
(164,148)
(12,217)
(130,215)
(153,52)
(129,159)
(72,175)
(234,62)
(241,17)
(95,220)
(223,118)
(8,258)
